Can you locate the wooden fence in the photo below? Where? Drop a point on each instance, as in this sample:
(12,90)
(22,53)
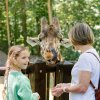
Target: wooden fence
(43,78)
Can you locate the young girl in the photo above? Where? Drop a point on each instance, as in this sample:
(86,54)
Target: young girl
(17,84)
(85,70)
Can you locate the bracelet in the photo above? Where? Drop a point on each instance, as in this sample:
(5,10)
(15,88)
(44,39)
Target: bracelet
(64,89)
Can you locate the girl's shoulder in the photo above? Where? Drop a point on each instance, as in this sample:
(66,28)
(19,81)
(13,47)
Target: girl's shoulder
(22,77)
(18,75)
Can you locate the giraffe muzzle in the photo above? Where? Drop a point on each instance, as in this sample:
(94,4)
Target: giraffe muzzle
(54,58)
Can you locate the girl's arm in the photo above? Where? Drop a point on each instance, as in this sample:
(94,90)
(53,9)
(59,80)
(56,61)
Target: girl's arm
(25,92)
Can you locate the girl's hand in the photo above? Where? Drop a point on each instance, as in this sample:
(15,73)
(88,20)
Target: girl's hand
(4,94)
(37,94)
(39,97)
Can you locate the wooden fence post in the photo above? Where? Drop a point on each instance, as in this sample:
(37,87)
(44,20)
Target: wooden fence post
(40,80)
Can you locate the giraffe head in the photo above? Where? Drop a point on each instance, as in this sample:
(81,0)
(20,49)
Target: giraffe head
(50,39)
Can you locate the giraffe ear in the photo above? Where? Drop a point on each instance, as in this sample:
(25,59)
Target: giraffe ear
(55,22)
(65,42)
(33,41)
(44,23)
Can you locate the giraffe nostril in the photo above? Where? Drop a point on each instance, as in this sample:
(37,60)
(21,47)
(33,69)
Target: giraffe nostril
(49,60)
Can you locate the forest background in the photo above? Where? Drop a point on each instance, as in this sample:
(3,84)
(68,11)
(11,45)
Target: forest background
(20,19)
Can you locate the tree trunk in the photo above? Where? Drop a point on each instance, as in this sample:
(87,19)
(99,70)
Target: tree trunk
(23,18)
(7,23)
(50,11)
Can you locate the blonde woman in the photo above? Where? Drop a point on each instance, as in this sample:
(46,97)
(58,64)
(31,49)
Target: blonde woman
(86,69)
(16,83)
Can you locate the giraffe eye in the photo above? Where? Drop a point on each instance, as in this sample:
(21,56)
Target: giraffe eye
(60,40)
(40,39)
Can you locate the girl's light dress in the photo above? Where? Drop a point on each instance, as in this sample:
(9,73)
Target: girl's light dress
(19,87)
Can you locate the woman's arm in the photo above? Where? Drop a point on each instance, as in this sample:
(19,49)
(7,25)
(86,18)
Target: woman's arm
(84,81)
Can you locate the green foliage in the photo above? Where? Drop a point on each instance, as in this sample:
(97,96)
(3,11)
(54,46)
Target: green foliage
(25,15)
(72,11)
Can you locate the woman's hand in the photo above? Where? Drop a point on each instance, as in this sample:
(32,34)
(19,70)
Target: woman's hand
(58,89)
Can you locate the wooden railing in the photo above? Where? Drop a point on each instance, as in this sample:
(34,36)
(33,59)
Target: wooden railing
(43,78)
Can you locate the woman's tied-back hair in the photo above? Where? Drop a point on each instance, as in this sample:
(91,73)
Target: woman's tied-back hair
(81,34)
(14,52)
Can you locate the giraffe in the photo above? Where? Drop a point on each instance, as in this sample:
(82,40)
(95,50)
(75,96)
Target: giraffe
(50,39)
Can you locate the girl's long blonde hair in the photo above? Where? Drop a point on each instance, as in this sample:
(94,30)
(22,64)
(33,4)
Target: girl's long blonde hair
(13,53)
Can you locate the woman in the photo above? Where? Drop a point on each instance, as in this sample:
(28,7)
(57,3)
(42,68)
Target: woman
(86,69)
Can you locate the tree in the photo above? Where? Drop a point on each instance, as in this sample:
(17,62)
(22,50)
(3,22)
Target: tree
(24,20)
